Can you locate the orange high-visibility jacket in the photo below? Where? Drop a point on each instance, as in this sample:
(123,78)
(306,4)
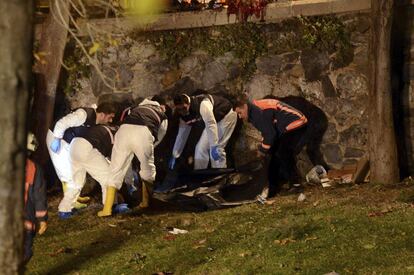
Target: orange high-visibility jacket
(35,201)
(273,118)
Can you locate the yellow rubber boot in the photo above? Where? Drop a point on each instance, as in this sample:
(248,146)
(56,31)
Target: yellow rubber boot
(80,201)
(64,186)
(79,205)
(146,194)
(109,202)
(85,199)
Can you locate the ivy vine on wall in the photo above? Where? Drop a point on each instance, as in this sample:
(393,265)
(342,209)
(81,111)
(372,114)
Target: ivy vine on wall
(248,41)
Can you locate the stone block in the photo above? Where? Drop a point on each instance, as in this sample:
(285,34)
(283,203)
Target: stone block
(331,134)
(297,71)
(354,136)
(352,85)
(308,8)
(332,153)
(315,63)
(260,86)
(356,5)
(327,87)
(214,73)
(353,152)
(183,86)
(269,65)
(171,77)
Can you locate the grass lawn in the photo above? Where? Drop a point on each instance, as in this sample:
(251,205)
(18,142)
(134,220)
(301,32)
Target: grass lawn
(367,229)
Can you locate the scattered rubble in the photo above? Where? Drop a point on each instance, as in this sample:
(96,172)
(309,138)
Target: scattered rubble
(302,197)
(349,174)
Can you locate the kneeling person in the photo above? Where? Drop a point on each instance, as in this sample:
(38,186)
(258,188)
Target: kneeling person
(89,153)
(142,129)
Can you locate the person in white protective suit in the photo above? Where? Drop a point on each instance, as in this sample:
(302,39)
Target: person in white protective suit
(143,128)
(89,153)
(69,127)
(219,119)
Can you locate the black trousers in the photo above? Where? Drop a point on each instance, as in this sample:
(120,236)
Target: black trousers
(28,244)
(282,165)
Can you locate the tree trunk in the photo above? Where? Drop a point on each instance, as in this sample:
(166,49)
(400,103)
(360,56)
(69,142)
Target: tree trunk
(52,45)
(382,142)
(15,72)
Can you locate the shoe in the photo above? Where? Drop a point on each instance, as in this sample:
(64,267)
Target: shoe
(109,202)
(164,187)
(65,215)
(120,208)
(168,183)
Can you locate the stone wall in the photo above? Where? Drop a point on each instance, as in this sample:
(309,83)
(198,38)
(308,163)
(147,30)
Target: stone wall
(340,90)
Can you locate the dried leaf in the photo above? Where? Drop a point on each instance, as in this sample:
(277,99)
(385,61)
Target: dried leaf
(61,250)
(284,241)
(200,244)
(311,239)
(169,237)
(270,202)
(379,213)
(369,246)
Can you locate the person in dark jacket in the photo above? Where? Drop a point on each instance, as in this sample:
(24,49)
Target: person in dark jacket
(282,128)
(89,153)
(143,128)
(219,122)
(35,200)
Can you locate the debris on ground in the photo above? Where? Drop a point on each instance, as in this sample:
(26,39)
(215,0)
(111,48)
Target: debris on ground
(326,182)
(176,231)
(354,173)
(361,171)
(66,250)
(316,174)
(284,241)
(302,197)
(169,237)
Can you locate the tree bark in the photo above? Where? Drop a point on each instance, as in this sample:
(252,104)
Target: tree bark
(52,45)
(15,72)
(382,140)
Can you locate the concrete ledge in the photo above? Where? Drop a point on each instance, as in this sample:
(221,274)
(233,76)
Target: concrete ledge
(198,19)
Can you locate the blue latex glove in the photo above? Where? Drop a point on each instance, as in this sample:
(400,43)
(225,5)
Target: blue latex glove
(171,163)
(216,153)
(55,145)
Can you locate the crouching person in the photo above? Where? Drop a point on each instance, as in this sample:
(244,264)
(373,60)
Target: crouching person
(35,200)
(282,128)
(219,119)
(89,153)
(142,129)
(67,128)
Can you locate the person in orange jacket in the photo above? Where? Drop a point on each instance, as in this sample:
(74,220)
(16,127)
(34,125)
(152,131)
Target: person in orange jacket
(35,200)
(282,127)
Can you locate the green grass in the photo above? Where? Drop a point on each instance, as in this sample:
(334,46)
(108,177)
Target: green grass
(356,230)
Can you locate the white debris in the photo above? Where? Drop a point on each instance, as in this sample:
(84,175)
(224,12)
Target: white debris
(176,231)
(302,197)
